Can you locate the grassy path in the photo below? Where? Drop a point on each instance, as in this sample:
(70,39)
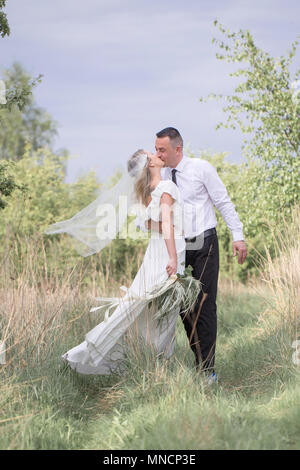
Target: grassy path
(164,406)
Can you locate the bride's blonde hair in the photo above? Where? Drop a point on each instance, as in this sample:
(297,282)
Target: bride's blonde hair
(142,186)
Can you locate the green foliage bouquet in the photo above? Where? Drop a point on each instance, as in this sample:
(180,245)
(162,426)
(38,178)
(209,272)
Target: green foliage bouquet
(179,290)
(182,292)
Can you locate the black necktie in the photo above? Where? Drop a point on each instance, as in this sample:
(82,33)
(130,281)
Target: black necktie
(174,176)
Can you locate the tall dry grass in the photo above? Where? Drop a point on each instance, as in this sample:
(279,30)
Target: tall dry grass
(280,274)
(44,310)
(45,301)
(41,299)
(41,296)
(279,284)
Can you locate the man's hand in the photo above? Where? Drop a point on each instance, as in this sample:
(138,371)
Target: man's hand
(241,247)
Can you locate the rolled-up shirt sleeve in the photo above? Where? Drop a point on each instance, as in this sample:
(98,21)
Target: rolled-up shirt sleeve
(220,198)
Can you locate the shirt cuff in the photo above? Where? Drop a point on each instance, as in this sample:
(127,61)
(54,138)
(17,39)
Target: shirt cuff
(237,235)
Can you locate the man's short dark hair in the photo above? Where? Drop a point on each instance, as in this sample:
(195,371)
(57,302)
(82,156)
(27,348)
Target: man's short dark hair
(173,134)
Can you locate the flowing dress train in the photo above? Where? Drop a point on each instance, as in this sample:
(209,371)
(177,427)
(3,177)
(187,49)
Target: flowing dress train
(104,348)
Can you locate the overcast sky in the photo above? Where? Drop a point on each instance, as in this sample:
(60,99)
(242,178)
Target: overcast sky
(117,71)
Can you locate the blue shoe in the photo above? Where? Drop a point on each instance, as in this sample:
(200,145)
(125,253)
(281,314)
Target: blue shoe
(211,379)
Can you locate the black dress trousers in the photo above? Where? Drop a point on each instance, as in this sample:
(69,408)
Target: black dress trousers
(201,324)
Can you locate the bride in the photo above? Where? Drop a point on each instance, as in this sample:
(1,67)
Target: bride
(136,315)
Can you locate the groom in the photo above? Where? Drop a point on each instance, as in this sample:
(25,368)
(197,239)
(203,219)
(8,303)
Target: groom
(201,189)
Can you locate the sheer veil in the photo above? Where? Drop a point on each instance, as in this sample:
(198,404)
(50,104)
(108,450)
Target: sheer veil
(96,225)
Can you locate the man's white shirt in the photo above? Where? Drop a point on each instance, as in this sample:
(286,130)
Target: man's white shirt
(201,189)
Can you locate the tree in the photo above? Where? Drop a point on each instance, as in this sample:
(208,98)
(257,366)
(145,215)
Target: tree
(22,121)
(48,198)
(17,97)
(8,184)
(265,106)
(4,26)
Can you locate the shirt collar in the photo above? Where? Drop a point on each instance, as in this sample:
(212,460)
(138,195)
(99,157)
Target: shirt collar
(180,165)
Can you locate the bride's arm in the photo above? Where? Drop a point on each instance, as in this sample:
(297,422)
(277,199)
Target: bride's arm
(166,203)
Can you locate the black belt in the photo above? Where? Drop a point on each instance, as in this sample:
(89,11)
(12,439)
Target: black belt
(206,233)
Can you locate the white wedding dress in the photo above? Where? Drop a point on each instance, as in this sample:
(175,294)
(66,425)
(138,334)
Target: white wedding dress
(105,346)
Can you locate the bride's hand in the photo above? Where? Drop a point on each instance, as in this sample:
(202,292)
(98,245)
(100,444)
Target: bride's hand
(172,266)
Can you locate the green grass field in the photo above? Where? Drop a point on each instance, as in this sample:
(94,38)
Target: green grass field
(158,404)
